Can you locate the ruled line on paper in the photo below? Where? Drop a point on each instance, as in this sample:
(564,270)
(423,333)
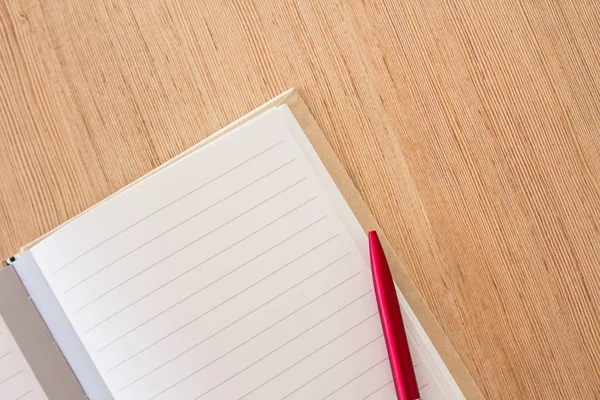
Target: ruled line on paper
(251,312)
(271,352)
(169,204)
(162,233)
(11,377)
(222,251)
(376,390)
(200,264)
(324,372)
(353,379)
(267,355)
(202,237)
(24,395)
(311,354)
(5,354)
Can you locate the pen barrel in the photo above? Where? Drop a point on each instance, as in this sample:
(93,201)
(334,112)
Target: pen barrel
(393,328)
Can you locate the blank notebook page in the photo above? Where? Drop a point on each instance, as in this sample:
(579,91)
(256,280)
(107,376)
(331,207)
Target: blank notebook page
(230,274)
(17,381)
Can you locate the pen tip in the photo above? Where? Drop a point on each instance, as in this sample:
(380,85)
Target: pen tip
(375,248)
(374,239)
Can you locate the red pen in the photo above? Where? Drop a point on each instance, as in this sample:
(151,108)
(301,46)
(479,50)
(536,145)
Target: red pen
(391,321)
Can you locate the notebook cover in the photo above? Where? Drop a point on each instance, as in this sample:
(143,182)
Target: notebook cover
(335,168)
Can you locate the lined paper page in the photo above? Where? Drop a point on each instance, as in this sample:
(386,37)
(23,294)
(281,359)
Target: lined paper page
(228,274)
(17,380)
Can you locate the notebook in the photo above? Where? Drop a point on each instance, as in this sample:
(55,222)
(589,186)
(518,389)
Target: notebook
(238,270)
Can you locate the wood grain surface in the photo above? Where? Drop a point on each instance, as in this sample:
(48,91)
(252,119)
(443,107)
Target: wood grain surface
(472,129)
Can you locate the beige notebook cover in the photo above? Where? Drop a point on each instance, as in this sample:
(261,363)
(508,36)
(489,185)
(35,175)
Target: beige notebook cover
(410,295)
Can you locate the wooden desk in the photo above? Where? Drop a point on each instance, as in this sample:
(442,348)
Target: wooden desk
(472,128)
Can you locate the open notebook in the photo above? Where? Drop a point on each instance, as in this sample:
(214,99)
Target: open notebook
(237,271)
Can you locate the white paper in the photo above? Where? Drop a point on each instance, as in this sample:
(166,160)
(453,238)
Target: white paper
(17,381)
(235,272)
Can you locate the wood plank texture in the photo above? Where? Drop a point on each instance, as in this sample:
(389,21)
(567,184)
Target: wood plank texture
(472,129)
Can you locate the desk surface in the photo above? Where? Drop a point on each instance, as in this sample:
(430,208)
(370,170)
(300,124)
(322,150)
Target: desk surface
(471,129)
